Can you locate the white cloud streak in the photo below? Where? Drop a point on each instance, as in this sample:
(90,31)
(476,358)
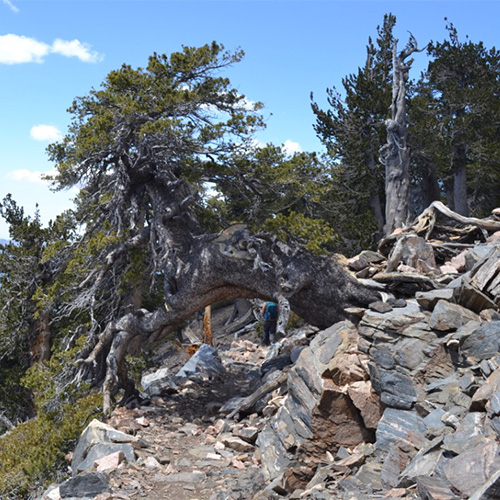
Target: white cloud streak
(45,133)
(25,175)
(16,49)
(11,6)
(75,48)
(291,147)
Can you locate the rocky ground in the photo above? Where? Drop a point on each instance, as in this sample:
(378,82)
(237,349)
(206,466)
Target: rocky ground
(183,446)
(401,400)
(192,453)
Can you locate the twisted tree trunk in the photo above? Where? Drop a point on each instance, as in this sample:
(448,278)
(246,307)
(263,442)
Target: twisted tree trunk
(236,266)
(395,155)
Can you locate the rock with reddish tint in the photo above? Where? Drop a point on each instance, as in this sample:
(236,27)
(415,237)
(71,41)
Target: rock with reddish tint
(320,414)
(487,392)
(109,461)
(367,402)
(99,440)
(473,467)
(447,316)
(236,443)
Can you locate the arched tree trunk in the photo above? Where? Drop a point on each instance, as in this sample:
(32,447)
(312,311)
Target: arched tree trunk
(242,266)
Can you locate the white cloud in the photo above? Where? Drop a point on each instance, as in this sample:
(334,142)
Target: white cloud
(25,175)
(12,7)
(45,133)
(16,49)
(291,147)
(75,48)
(247,104)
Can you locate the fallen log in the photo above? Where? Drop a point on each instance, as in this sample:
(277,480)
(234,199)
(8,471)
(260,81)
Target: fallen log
(240,323)
(268,387)
(428,218)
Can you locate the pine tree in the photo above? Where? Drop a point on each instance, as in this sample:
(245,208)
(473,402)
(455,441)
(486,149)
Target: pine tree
(456,121)
(353,131)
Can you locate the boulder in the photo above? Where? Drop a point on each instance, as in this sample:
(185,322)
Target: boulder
(398,426)
(374,324)
(85,485)
(98,440)
(490,490)
(473,467)
(434,488)
(325,407)
(447,316)
(482,343)
(395,387)
(427,462)
(159,382)
(101,450)
(481,255)
(204,362)
(428,300)
(472,298)
(488,391)
(412,251)
(108,462)
(394,463)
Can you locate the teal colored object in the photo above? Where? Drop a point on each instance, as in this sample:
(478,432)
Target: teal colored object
(271,311)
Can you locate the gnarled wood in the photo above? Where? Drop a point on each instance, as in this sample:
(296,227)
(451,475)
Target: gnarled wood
(395,155)
(317,288)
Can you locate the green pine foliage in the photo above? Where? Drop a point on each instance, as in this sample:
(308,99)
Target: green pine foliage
(353,131)
(288,195)
(455,121)
(164,154)
(32,455)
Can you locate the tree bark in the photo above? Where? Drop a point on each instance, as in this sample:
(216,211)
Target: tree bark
(395,155)
(430,188)
(460,186)
(375,202)
(317,288)
(40,345)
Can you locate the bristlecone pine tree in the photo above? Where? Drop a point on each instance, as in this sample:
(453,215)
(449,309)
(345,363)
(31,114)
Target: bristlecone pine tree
(141,149)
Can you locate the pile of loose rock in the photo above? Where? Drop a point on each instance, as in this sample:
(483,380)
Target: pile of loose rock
(398,401)
(402,401)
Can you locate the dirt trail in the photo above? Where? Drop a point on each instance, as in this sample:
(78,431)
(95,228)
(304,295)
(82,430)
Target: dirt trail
(190,451)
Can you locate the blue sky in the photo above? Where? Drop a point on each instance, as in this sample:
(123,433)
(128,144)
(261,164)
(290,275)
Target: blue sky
(53,51)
